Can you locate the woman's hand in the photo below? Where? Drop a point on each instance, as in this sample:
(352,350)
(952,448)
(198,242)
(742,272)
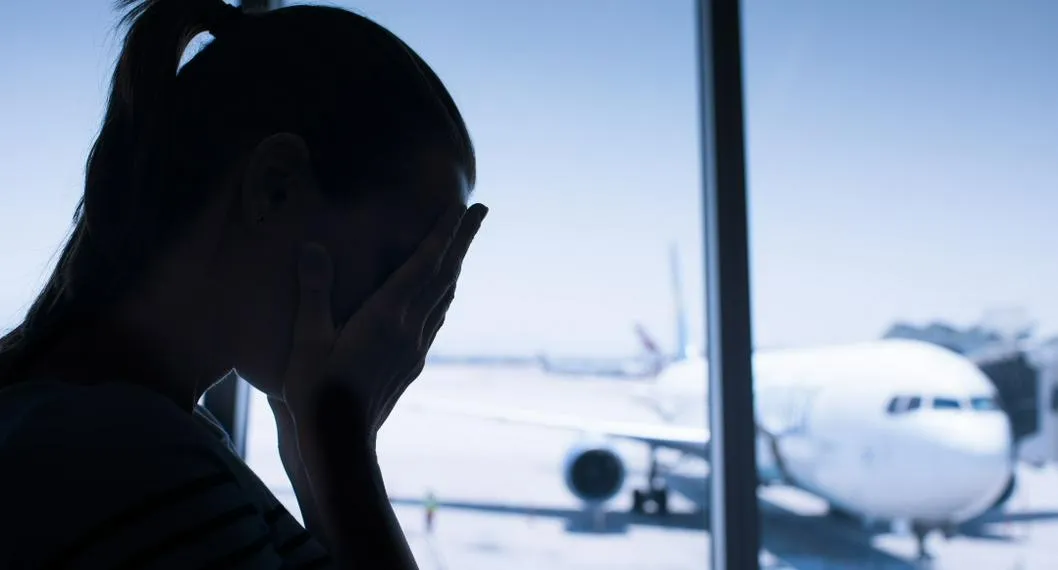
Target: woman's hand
(374,357)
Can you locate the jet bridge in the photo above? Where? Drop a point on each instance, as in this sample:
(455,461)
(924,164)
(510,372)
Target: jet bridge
(1042,446)
(1017,380)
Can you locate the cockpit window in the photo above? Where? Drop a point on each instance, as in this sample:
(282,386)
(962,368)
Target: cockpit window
(984,403)
(904,404)
(946,404)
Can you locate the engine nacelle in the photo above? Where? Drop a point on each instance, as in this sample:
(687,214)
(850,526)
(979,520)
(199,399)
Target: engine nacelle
(594,472)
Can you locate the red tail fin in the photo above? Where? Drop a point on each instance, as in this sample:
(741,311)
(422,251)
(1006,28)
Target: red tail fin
(646,340)
(651,347)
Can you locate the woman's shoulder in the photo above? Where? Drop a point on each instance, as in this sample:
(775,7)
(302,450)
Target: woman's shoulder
(50,415)
(102,470)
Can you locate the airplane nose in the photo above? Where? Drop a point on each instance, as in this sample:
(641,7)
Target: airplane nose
(973,462)
(976,441)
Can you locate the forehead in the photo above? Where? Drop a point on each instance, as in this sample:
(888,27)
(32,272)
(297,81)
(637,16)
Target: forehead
(406,214)
(435,183)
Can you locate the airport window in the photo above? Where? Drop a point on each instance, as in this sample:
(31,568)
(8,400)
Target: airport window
(882,136)
(865,122)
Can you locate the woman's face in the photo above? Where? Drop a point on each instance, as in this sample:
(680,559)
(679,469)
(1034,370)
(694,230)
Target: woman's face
(367,240)
(370,240)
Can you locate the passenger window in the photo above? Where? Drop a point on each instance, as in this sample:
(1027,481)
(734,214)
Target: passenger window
(914,403)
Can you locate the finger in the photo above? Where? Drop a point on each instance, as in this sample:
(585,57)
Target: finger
(406,382)
(313,332)
(437,319)
(446,277)
(434,325)
(421,267)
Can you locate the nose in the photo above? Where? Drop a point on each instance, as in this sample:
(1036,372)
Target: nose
(981,439)
(970,455)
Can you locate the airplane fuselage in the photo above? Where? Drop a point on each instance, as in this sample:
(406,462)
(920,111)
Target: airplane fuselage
(888,430)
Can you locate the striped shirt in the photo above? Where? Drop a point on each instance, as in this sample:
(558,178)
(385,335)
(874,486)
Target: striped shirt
(117,477)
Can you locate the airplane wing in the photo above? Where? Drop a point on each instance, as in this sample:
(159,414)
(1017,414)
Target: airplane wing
(689,440)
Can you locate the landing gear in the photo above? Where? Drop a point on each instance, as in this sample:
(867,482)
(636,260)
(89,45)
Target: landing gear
(650,501)
(655,498)
(921,533)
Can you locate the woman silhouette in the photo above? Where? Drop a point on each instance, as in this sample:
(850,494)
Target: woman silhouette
(306,168)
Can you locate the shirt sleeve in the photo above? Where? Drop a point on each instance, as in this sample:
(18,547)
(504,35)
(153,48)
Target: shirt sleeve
(117,477)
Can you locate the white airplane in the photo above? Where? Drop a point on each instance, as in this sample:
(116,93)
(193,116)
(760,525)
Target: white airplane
(895,431)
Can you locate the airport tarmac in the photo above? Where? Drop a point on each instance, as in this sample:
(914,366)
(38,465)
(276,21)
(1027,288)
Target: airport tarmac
(503,502)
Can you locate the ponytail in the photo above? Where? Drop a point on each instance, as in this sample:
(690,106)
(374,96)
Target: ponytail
(116,223)
(120,199)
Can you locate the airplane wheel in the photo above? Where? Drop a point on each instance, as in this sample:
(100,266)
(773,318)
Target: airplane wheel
(661,500)
(638,500)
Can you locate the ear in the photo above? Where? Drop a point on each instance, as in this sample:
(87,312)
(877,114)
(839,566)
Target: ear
(278,179)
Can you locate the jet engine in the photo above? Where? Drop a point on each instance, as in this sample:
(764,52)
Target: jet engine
(594,472)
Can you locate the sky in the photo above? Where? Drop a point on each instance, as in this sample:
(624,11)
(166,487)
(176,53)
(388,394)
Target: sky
(902,161)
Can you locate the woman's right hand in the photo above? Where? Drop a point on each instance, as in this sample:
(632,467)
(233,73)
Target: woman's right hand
(371,360)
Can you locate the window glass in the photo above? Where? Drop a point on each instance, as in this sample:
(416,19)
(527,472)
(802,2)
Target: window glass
(897,405)
(904,404)
(984,403)
(901,166)
(946,404)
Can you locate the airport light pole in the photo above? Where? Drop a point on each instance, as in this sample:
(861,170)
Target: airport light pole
(734,520)
(229,399)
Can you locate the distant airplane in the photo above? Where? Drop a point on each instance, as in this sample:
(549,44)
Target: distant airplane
(649,364)
(892,431)
(636,368)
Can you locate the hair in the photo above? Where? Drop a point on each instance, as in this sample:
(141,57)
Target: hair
(362,100)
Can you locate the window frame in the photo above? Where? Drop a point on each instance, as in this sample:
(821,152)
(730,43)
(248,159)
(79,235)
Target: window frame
(734,518)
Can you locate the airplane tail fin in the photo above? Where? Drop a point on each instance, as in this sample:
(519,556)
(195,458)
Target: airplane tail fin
(654,353)
(683,343)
